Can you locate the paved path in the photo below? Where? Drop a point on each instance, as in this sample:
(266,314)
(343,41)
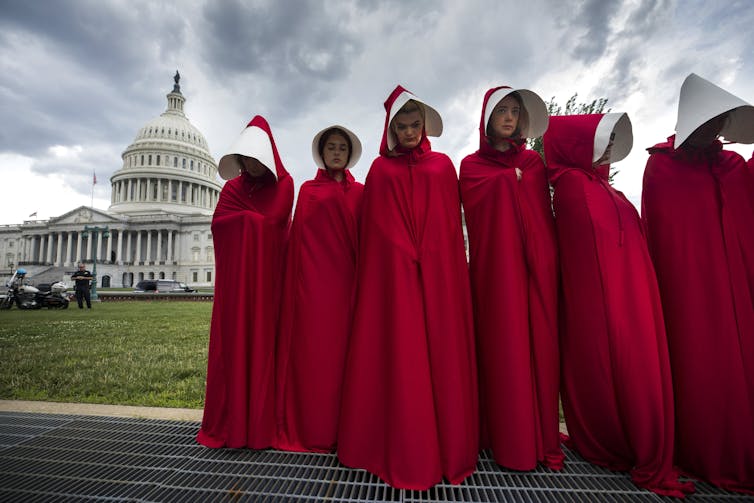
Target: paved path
(88,409)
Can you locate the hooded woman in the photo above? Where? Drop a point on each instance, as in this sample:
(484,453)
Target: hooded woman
(514,282)
(249,230)
(616,382)
(698,206)
(409,408)
(318,296)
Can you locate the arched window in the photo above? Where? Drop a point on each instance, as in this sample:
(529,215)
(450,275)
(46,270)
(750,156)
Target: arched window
(105,282)
(195,251)
(158,159)
(175,162)
(162,274)
(151,275)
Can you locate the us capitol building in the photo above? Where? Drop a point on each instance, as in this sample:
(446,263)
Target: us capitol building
(158,222)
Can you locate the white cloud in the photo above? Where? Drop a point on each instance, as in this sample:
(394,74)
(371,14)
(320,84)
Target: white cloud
(78,79)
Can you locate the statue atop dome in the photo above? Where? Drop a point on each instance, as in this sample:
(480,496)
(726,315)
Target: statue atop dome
(177,86)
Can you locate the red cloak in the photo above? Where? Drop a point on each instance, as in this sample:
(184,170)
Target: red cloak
(698,206)
(616,381)
(317,312)
(409,407)
(249,230)
(514,284)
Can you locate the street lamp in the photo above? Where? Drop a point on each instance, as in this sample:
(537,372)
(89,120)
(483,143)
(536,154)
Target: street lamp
(94,230)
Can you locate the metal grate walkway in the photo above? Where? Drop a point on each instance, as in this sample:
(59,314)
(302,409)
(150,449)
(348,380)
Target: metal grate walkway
(56,457)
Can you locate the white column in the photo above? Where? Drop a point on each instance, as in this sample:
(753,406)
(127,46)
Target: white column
(169,258)
(128,190)
(119,252)
(78,248)
(159,246)
(68,248)
(89,240)
(99,245)
(128,247)
(59,259)
(49,247)
(180,192)
(149,246)
(148,195)
(159,189)
(109,246)
(138,247)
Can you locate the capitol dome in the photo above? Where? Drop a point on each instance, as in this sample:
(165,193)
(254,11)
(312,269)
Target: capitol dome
(167,168)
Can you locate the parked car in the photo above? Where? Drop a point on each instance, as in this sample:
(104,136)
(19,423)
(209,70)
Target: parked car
(162,286)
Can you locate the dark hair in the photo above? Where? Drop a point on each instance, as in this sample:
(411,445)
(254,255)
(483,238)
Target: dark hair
(326,136)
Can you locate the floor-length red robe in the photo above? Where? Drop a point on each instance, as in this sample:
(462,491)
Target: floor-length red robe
(409,407)
(616,381)
(699,211)
(514,283)
(316,317)
(249,231)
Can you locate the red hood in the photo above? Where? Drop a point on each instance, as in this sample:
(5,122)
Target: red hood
(569,144)
(384,150)
(261,123)
(254,141)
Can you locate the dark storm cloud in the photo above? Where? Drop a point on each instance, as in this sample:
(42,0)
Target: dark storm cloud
(646,19)
(300,47)
(72,70)
(589,24)
(109,36)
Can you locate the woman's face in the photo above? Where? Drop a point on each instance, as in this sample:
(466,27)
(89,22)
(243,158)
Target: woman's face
(335,152)
(605,159)
(408,128)
(504,118)
(253,166)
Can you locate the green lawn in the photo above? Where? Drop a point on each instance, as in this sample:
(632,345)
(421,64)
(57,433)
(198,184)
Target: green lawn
(128,353)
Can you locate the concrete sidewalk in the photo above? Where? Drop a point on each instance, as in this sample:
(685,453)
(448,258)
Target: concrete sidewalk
(90,409)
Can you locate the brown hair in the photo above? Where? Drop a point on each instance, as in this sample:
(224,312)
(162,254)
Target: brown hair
(523,116)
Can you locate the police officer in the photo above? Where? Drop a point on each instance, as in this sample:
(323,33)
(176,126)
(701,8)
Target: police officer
(83,281)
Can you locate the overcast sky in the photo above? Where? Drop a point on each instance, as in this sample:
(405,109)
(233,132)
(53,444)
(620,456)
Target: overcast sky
(79,78)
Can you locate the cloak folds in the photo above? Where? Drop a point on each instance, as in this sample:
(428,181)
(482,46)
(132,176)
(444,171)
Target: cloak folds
(514,283)
(317,312)
(698,205)
(616,382)
(249,230)
(409,407)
